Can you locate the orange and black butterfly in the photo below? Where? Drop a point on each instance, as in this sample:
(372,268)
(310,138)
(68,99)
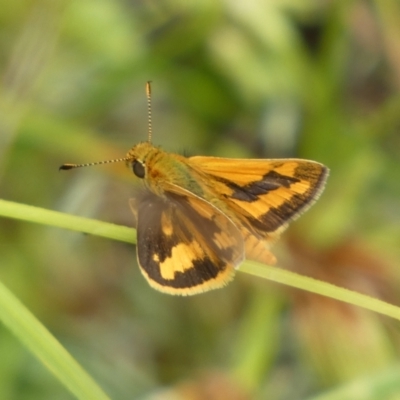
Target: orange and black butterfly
(198,218)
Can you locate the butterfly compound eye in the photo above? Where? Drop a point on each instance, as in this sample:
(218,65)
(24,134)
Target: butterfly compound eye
(138,169)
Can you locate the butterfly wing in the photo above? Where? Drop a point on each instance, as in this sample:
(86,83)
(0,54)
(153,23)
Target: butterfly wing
(185,245)
(264,195)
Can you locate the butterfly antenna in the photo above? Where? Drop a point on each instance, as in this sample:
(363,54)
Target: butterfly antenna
(148,94)
(71,166)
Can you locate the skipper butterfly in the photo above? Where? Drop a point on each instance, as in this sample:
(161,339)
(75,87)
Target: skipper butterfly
(198,218)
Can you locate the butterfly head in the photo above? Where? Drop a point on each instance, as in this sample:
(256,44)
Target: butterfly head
(138,158)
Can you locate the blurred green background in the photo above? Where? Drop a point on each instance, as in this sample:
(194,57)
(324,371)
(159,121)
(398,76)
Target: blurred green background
(288,78)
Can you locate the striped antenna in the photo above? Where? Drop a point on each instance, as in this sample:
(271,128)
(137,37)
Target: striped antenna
(148,94)
(70,166)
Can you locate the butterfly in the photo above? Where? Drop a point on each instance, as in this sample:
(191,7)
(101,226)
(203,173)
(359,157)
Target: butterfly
(198,218)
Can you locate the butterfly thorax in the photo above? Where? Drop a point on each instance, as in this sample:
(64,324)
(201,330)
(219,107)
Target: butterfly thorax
(158,169)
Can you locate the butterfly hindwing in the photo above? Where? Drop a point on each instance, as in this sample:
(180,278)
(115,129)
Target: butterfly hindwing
(184,244)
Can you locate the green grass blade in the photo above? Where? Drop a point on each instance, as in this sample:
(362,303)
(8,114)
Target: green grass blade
(319,287)
(58,219)
(377,386)
(111,231)
(46,348)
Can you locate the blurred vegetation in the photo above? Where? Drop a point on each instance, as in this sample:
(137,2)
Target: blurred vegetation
(310,79)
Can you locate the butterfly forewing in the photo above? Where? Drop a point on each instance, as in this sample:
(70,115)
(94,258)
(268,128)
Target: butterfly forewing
(263,195)
(185,245)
